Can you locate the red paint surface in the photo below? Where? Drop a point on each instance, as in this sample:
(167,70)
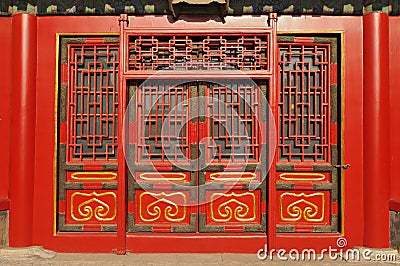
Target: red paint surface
(302,241)
(316,202)
(217,208)
(102,203)
(159,177)
(162,208)
(92,242)
(312,177)
(394,205)
(394,70)
(376,130)
(45,132)
(5,96)
(22,153)
(353,122)
(196,243)
(4,204)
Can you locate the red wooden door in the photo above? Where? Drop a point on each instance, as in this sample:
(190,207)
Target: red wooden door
(196,141)
(162,143)
(195,149)
(308,156)
(88,135)
(193,137)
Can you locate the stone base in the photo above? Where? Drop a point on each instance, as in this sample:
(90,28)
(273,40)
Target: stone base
(3,229)
(395,230)
(23,256)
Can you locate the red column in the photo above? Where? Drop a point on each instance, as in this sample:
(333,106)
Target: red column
(23,115)
(376,130)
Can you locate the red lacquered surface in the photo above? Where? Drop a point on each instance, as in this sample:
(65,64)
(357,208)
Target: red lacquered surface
(350,29)
(43,217)
(394,70)
(5,94)
(23,110)
(376,130)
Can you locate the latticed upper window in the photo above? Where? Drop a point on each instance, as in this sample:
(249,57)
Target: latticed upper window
(88,134)
(234,129)
(92,102)
(304,102)
(163,111)
(307,177)
(207,52)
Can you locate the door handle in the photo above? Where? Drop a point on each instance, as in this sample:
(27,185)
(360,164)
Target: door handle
(343,166)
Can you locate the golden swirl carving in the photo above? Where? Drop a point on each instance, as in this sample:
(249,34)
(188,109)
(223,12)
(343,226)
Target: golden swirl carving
(100,212)
(89,176)
(239,213)
(233,176)
(309,213)
(170,212)
(302,176)
(163,176)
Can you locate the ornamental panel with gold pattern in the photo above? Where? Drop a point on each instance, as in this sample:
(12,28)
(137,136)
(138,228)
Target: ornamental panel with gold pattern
(92,176)
(95,207)
(87,134)
(162,177)
(302,177)
(236,207)
(304,207)
(233,177)
(162,208)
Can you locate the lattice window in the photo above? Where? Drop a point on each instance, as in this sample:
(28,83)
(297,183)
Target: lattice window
(304,115)
(92,102)
(88,130)
(233,128)
(246,52)
(163,111)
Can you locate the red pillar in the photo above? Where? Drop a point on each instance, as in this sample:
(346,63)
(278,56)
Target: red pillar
(23,115)
(376,130)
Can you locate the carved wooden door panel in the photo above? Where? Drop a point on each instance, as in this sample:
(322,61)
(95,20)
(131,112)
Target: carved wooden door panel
(88,135)
(162,178)
(196,130)
(308,157)
(195,148)
(233,157)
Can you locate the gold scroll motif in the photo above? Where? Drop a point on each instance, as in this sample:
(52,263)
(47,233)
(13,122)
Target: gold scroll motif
(302,176)
(162,176)
(310,213)
(101,212)
(93,176)
(233,176)
(241,211)
(170,212)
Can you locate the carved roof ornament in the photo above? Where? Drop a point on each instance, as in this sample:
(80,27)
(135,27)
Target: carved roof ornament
(198,7)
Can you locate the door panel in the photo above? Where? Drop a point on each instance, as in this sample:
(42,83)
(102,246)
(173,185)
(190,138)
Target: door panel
(161,186)
(231,127)
(88,135)
(307,175)
(194,158)
(231,139)
(163,111)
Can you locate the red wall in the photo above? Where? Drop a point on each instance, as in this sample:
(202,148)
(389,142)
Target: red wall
(44,171)
(49,26)
(394,71)
(5,92)
(351,27)
(353,117)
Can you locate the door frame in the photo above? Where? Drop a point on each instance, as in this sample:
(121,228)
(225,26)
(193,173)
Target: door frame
(158,242)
